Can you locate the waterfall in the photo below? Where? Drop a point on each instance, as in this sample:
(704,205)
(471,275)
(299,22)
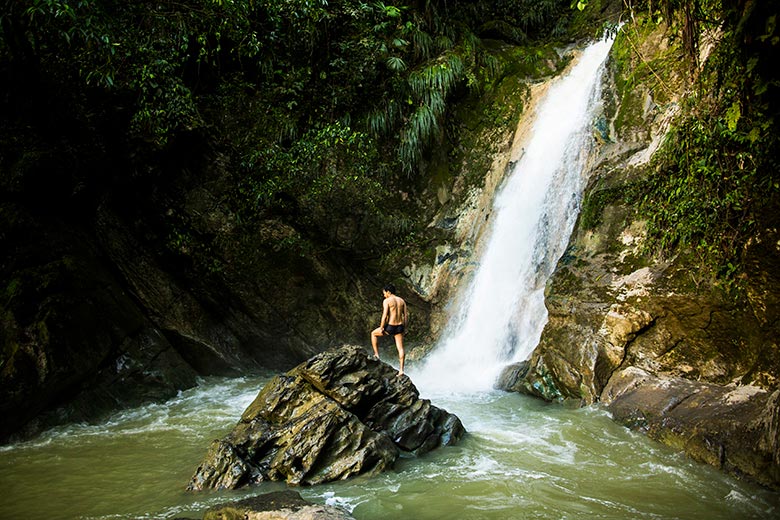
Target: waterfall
(502,312)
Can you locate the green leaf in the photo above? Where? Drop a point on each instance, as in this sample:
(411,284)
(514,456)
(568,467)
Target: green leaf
(396,64)
(732,116)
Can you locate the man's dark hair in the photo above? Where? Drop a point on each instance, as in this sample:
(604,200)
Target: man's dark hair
(390,288)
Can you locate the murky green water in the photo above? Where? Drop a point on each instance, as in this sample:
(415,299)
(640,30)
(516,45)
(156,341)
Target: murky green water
(522,459)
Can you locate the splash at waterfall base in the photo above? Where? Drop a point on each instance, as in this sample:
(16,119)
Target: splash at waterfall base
(337,415)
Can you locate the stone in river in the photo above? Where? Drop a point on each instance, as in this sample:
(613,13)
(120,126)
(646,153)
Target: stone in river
(339,414)
(287,505)
(279,505)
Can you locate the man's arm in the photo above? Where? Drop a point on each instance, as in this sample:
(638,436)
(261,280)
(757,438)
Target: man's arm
(383,322)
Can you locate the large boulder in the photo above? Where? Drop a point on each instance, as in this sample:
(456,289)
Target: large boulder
(342,413)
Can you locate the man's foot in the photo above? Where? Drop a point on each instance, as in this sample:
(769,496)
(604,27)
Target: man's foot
(400,373)
(376,356)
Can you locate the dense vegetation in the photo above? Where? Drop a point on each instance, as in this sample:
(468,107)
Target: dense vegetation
(275,159)
(714,185)
(324,109)
(315,125)
(717,182)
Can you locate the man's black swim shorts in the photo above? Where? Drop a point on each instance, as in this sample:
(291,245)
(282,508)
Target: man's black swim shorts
(392,330)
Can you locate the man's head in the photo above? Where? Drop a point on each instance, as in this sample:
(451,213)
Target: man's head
(390,288)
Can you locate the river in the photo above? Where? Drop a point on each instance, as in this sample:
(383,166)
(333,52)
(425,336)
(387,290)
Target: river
(522,458)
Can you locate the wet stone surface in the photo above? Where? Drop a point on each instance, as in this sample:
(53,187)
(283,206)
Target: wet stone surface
(341,413)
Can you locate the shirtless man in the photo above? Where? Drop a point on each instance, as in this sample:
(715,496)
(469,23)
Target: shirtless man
(393,323)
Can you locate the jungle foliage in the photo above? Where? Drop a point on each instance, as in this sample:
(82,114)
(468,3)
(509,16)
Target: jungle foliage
(717,183)
(325,109)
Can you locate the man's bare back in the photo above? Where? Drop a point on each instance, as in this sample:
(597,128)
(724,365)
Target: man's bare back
(396,310)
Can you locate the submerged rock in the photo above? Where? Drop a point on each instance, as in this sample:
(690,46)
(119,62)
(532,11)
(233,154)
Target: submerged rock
(339,414)
(286,505)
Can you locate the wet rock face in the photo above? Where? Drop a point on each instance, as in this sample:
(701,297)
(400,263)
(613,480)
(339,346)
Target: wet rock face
(339,414)
(656,338)
(732,428)
(663,347)
(672,356)
(74,345)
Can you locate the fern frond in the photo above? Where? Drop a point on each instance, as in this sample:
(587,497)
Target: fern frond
(421,41)
(424,123)
(383,120)
(444,43)
(396,64)
(440,76)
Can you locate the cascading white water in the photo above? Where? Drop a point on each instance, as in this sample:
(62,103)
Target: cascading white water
(503,312)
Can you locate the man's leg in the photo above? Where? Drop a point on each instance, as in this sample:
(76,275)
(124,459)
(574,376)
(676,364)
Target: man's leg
(375,334)
(399,344)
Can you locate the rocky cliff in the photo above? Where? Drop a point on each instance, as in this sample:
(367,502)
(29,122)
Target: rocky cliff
(98,314)
(655,337)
